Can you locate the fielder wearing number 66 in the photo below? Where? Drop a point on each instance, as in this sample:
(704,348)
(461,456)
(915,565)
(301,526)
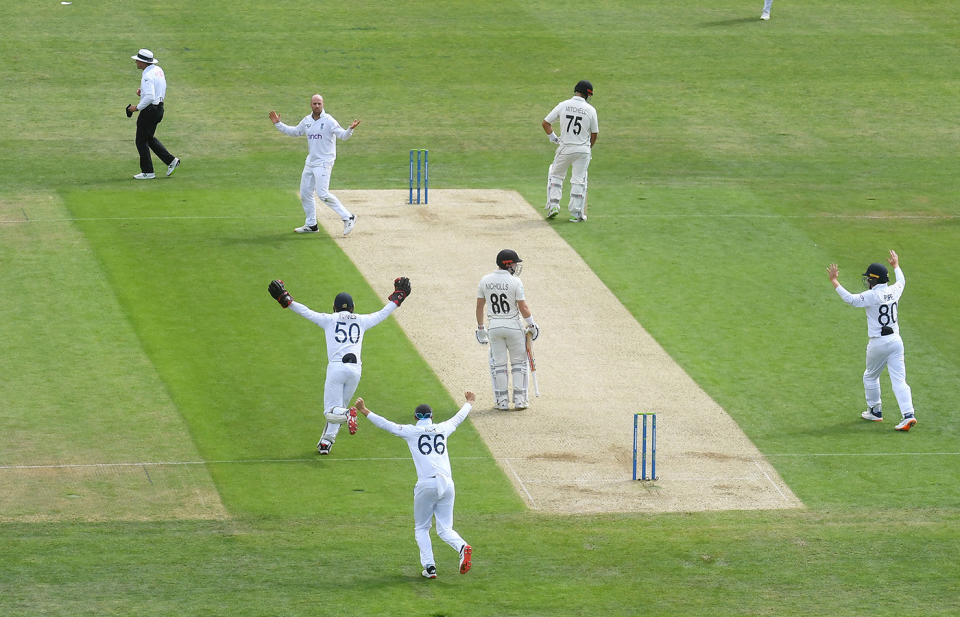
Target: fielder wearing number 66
(344,334)
(501,298)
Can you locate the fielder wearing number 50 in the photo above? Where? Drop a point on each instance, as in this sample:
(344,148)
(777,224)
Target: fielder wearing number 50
(344,330)
(885,347)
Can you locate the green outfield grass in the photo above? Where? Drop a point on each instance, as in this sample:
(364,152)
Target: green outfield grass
(736,160)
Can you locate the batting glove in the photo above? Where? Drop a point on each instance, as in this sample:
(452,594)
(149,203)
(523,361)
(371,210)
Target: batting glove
(482,337)
(553,138)
(534,331)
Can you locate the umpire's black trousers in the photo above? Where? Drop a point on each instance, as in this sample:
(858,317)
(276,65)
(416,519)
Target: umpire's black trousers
(147,121)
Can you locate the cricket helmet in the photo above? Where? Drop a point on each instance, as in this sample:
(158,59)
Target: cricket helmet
(584,87)
(343,302)
(876,273)
(507,259)
(423,411)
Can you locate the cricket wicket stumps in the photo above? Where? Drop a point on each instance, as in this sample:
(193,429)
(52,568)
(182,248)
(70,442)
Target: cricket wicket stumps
(425,169)
(643,447)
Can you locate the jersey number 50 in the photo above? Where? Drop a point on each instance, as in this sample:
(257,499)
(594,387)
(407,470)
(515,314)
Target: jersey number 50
(341,333)
(427,444)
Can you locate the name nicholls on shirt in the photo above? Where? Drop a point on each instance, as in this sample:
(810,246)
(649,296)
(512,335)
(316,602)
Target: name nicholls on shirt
(498,286)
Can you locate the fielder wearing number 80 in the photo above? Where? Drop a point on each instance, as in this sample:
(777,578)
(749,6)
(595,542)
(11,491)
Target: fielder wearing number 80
(344,335)
(501,297)
(885,347)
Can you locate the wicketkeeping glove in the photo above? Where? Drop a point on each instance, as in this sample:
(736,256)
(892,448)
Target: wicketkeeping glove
(482,336)
(280,293)
(401,289)
(126,108)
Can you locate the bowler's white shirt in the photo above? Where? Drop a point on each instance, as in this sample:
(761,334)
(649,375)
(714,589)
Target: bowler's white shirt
(321,136)
(880,304)
(423,438)
(344,330)
(574,120)
(153,86)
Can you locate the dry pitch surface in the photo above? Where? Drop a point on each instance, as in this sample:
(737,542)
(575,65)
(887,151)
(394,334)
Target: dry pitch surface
(571,450)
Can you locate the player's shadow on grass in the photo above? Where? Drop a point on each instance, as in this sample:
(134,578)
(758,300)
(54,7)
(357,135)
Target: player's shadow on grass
(729,22)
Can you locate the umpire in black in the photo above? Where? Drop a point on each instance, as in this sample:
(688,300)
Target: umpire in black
(153,89)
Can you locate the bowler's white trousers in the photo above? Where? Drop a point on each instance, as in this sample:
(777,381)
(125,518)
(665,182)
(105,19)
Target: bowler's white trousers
(317,179)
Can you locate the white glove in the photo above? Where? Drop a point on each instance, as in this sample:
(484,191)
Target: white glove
(482,337)
(553,138)
(534,331)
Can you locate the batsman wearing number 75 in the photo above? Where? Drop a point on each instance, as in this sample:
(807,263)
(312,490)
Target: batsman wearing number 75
(434,493)
(884,347)
(344,335)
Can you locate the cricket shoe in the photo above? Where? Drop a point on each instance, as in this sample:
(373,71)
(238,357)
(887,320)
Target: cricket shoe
(873,414)
(323,447)
(145,176)
(907,423)
(518,405)
(466,555)
(349,224)
(765,16)
(307,229)
(578,218)
(352,421)
(429,572)
(172,167)
(553,212)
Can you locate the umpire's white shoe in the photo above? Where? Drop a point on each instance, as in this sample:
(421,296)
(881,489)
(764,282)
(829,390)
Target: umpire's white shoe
(907,423)
(429,572)
(144,176)
(307,229)
(323,447)
(873,414)
(349,224)
(466,555)
(172,167)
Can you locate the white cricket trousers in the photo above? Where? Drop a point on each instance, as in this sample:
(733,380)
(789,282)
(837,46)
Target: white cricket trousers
(578,162)
(342,381)
(508,343)
(317,179)
(433,498)
(887,351)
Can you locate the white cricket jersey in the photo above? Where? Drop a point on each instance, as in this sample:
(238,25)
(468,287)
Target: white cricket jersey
(321,135)
(577,120)
(501,290)
(153,86)
(344,330)
(427,441)
(881,303)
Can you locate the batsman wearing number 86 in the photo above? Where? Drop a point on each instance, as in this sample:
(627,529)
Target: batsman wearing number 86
(885,347)
(344,335)
(501,297)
